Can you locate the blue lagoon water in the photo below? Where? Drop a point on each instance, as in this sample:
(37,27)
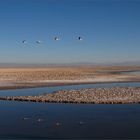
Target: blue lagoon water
(76,121)
(41,90)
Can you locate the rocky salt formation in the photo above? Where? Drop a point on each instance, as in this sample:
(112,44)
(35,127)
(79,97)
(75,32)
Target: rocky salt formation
(115,95)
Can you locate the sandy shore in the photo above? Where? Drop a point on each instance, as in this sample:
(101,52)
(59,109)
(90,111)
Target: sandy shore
(12,78)
(115,95)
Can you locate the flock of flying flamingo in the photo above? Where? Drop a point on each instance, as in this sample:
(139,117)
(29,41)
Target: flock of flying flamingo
(55,38)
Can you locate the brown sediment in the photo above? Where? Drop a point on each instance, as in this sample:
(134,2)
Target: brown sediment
(61,73)
(56,76)
(115,95)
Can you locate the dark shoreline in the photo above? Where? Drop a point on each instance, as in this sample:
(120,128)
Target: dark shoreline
(67,102)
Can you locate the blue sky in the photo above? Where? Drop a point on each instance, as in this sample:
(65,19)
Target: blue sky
(110,30)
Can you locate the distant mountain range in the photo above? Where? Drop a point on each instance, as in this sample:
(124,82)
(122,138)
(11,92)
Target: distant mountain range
(128,63)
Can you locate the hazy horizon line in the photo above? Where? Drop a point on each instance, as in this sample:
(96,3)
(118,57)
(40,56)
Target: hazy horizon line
(125,63)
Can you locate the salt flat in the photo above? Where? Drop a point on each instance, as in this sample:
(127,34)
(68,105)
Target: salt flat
(30,77)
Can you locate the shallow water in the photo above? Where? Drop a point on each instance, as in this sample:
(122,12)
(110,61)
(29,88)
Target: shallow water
(74,121)
(132,72)
(135,73)
(41,90)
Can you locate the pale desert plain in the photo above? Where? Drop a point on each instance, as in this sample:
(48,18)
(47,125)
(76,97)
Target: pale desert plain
(13,78)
